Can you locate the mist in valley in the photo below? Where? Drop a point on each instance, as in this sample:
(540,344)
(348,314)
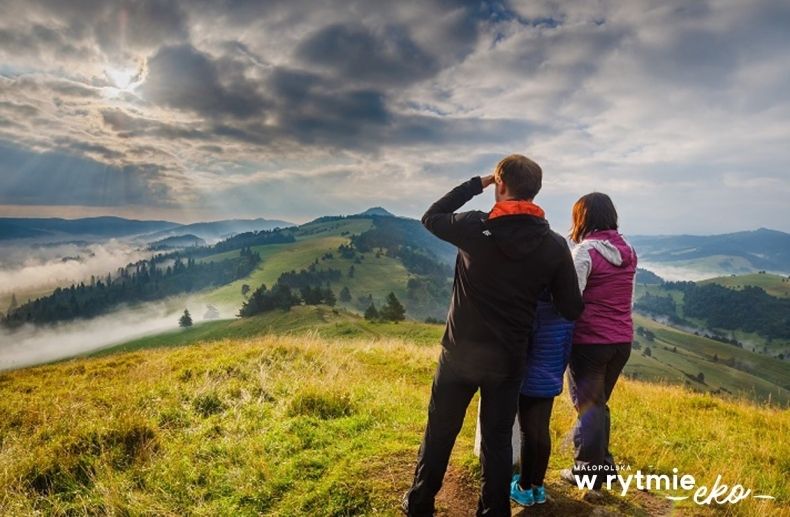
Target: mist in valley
(32,267)
(677,273)
(31,345)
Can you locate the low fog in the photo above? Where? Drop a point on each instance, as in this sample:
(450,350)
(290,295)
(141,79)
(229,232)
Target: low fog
(29,267)
(677,273)
(31,345)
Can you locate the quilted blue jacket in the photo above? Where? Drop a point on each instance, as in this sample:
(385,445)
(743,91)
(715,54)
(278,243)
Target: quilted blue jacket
(548,352)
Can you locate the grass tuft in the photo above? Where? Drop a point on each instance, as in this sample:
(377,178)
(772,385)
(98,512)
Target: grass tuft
(208,404)
(323,405)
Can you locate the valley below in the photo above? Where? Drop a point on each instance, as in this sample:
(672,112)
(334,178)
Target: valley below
(315,409)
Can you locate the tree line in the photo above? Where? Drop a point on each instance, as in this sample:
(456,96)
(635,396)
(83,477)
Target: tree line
(247,240)
(750,309)
(311,287)
(658,305)
(146,280)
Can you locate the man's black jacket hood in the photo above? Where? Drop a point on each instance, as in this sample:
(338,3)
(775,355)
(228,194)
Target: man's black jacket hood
(517,235)
(503,265)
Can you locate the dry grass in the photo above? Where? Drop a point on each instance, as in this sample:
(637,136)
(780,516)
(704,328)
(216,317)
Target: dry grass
(286,425)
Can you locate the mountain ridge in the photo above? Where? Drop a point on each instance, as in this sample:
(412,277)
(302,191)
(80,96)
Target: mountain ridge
(738,252)
(114,226)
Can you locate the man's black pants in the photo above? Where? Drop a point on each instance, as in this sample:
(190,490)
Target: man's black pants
(452,390)
(593,371)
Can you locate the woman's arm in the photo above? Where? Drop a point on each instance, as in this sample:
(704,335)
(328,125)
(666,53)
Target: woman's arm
(583,264)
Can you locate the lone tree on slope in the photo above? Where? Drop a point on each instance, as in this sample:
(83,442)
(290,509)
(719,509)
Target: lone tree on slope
(185,320)
(393,310)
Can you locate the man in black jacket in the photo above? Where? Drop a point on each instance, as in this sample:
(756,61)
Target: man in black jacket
(506,258)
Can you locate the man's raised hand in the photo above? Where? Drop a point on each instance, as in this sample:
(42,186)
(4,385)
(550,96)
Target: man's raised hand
(487,180)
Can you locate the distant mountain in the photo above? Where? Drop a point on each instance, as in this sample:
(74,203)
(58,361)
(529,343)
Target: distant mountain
(377,210)
(49,229)
(215,230)
(177,241)
(45,228)
(730,253)
(645,277)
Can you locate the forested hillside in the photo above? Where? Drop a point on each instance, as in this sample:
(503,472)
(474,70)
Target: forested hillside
(147,280)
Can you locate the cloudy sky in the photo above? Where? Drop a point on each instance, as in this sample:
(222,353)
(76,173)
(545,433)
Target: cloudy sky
(295,109)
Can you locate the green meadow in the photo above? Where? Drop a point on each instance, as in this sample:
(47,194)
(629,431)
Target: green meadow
(263,418)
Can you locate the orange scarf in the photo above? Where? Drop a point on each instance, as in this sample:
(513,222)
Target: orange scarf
(516,207)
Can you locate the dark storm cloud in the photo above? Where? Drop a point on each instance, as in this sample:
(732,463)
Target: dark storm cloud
(58,178)
(185,78)
(300,106)
(309,109)
(355,53)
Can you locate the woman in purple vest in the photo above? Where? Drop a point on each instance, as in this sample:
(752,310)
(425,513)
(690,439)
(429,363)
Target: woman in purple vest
(606,266)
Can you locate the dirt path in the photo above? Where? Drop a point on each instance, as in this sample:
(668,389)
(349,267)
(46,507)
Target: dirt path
(458,498)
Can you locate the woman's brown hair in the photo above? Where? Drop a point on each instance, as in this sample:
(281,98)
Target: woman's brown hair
(592,212)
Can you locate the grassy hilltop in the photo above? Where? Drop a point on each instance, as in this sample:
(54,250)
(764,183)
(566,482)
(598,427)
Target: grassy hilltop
(322,423)
(775,285)
(676,357)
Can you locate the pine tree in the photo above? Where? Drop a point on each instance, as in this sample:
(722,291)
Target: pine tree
(393,310)
(345,295)
(13,304)
(329,297)
(372,314)
(185,320)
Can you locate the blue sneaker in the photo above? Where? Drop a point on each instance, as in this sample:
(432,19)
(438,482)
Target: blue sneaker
(519,496)
(539,493)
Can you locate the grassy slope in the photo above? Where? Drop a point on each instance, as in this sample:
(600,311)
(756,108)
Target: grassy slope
(775,285)
(286,425)
(768,381)
(750,340)
(766,378)
(377,276)
(316,320)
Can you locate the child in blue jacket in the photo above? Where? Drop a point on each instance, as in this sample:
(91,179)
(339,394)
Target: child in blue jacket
(547,359)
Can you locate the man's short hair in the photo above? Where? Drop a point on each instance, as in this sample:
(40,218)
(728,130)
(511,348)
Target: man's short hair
(522,176)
